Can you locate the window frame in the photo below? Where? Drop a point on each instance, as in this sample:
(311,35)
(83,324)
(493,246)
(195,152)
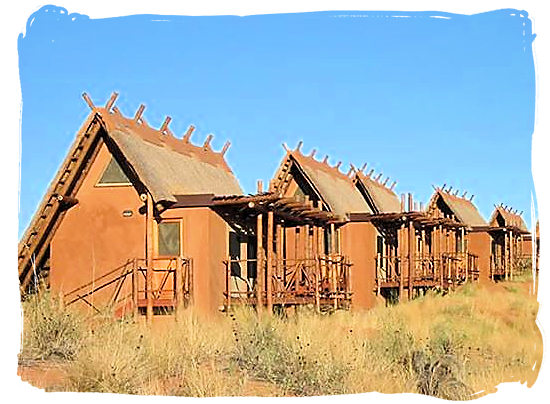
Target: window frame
(156,238)
(112,184)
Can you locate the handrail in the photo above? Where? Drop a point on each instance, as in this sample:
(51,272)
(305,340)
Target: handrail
(175,267)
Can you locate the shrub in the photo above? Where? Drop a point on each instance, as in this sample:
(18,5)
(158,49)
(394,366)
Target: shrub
(50,331)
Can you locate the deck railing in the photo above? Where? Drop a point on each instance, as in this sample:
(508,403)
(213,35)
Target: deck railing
(321,280)
(427,270)
(173,280)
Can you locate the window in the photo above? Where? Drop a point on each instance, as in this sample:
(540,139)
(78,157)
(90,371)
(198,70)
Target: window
(113,175)
(169,235)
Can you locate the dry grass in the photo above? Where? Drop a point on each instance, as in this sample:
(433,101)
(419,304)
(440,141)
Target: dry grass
(455,346)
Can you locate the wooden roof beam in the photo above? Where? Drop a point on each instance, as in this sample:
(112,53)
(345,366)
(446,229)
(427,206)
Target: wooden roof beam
(225,147)
(139,113)
(165,124)
(187,136)
(207,141)
(111,101)
(88,100)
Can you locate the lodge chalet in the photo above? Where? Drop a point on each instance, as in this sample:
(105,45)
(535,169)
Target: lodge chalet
(138,221)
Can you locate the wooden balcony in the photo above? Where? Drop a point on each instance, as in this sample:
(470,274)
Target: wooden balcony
(322,281)
(443,270)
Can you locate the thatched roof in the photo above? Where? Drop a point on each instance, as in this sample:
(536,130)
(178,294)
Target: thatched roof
(334,188)
(168,166)
(464,210)
(381,198)
(503,217)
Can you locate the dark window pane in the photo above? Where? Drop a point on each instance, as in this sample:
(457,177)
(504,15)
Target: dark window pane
(113,174)
(169,238)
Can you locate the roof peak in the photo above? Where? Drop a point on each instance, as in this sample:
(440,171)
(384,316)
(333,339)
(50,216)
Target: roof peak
(324,164)
(161,136)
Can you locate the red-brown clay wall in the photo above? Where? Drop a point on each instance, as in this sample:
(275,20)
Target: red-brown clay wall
(526,247)
(358,244)
(94,237)
(479,243)
(205,240)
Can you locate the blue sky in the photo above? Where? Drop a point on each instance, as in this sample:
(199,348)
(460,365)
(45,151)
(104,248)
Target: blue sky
(423,100)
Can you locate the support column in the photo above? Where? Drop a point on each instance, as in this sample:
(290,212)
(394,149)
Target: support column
(332,266)
(317,277)
(512,242)
(506,255)
(269,271)
(440,254)
(178,283)
(401,237)
(280,234)
(412,239)
(149,259)
(259,263)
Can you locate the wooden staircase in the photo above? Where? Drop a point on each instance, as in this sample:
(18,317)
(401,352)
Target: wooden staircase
(174,287)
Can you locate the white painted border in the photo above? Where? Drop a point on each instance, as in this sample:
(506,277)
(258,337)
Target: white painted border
(15,19)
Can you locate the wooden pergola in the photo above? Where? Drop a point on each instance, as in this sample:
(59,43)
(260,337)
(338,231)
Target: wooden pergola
(266,216)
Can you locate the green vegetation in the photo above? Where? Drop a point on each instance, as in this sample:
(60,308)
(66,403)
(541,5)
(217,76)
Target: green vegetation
(457,346)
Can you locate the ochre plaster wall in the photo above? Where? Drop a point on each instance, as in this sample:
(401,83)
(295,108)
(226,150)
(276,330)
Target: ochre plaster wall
(359,245)
(94,237)
(206,241)
(479,243)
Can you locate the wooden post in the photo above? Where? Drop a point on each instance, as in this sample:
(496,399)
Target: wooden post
(178,283)
(135,288)
(412,245)
(440,255)
(402,261)
(506,256)
(279,234)
(259,264)
(297,232)
(421,252)
(149,259)
(511,255)
(332,272)
(317,257)
(332,239)
(269,271)
(228,283)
